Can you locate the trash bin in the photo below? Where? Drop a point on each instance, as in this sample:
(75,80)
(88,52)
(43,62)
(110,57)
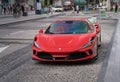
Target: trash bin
(102,13)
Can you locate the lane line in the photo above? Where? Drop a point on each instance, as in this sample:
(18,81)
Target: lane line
(3,48)
(16,32)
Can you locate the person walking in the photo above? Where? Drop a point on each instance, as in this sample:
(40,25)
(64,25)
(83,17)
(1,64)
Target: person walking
(18,10)
(23,10)
(4,9)
(14,10)
(51,10)
(77,8)
(73,11)
(10,9)
(116,8)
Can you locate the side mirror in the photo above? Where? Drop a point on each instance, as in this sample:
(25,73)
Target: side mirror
(97,30)
(96,26)
(41,31)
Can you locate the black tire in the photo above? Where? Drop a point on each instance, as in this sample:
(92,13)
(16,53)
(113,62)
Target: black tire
(96,57)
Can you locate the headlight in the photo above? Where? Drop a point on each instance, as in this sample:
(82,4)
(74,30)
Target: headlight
(36,44)
(89,43)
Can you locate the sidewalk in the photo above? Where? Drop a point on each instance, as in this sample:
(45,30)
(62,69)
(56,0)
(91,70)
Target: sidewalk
(8,19)
(6,16)
(110,71)
(113,68)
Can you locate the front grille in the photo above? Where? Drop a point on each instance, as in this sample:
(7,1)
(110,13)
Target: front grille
(77,55)
(44,55)
(59,58)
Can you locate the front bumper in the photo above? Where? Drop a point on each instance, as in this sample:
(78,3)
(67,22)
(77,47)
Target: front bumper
(85,54)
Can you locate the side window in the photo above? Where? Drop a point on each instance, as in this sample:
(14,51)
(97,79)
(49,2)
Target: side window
(91,26)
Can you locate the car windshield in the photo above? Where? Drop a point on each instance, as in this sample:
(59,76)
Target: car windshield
(68,27)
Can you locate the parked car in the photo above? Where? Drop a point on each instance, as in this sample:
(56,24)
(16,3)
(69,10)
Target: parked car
(71,39)
(57,9)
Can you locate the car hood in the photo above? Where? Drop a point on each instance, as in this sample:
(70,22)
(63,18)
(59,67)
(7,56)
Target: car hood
(62,42)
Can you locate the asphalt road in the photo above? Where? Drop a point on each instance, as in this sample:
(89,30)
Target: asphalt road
(16,64)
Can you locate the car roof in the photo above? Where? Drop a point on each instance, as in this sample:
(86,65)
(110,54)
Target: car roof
(71,19)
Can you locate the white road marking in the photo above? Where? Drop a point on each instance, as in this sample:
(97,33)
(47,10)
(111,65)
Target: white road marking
(45,25)
(3,48)
(16,32)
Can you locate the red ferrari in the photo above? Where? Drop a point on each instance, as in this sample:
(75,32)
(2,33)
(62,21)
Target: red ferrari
(68,40)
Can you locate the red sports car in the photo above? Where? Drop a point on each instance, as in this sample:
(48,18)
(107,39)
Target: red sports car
(68,40)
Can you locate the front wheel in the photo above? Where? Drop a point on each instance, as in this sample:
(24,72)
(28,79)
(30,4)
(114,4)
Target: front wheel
(96,50)
(99,41)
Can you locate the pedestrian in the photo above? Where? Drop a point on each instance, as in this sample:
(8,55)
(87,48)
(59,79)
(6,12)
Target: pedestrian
(10,9)
(116,8)
(7,9)
(73,11)
(47,10)
(51,10)
(4,10)
(22,9)
(31,7)
(14,10)
(18,9)
(77,8)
